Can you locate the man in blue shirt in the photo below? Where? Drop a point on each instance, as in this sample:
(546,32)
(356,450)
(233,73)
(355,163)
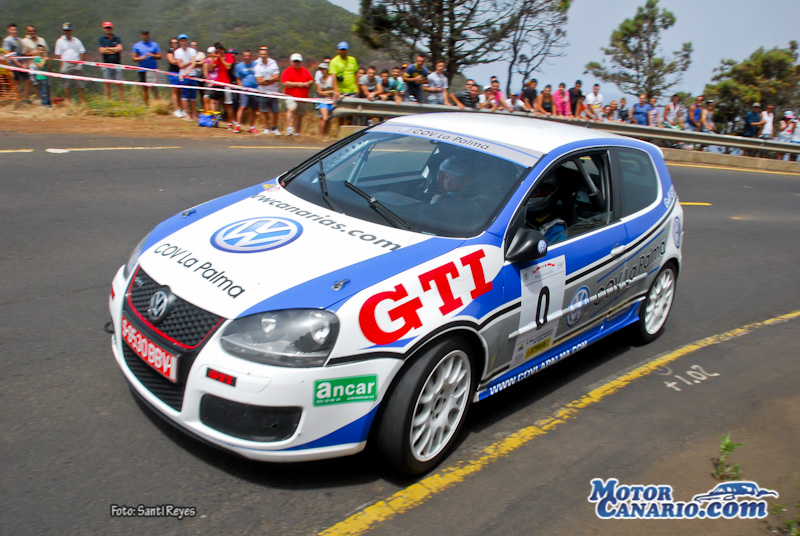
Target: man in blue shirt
(147,53)
(415,76)
(752,123)
(246,76)
(111,49)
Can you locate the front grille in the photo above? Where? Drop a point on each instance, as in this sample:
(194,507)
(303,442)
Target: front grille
(169,393)
(254,423)
(184,322)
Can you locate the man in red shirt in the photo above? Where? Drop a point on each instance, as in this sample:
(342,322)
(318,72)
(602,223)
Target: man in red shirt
(296,81)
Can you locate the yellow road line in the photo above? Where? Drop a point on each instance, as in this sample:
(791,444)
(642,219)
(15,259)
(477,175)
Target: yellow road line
(693,204)
(728,168)
(17,150)
(414,495)
(274,147)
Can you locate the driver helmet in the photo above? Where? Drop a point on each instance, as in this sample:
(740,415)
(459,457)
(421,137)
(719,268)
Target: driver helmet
(454,174)
(544,195)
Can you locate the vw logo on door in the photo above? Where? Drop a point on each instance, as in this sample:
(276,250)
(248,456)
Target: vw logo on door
(157,309)
(577,306)
(256,234)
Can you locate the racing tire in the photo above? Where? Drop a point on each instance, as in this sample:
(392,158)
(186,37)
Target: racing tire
(657,305)
(427,409)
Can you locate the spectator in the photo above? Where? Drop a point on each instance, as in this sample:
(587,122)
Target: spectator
(654,115)
(217,67)
(544,102)
(497,96)
(640,111)
(415,76)
(197,72)
(575,93)
(245,77)
(326,88)
(30,47)
(344,68)
(174,78)
(467,98)
(437,86)
(400,85)
(694,113)
(786,131)
(41,64)
(563,107)
(147,53)
(111,49)
(230,58)
(297,81)
(370,86)
(13,45)
(516,103)
(594,103)
(768,118)
(583,110)
(390,88)
(672,112)
(613,114)
(213,94)
(186,64)
(529,94)
(359,73)
(753,122)
(68,49)
(605,116)
(200,57)
(318,73)
(624,116)
(267,75)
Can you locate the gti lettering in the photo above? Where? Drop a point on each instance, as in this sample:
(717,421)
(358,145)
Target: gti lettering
(441,278)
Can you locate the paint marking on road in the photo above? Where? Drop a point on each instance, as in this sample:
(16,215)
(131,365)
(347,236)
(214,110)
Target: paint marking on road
(412,496)
(693,204)
(728,168)
(275,147)
(78,149)
(16,150)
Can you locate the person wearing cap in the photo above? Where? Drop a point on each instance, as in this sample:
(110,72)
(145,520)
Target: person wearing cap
(147,53)
(185,57)
(752,121)
(344,68)
(297,81)
(111,49)
(267,75)
(785,131)
(216,68)
(68,49)
(326,89)
(30,47)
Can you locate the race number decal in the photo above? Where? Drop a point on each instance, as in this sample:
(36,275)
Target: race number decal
(542,298)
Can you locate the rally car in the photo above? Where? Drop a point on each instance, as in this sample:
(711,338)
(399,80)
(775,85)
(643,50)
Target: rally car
(375,291)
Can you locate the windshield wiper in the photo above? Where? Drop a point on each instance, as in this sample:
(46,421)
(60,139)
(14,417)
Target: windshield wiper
(323,185)
(379,207)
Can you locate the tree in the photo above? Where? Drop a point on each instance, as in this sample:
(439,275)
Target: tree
(634,54)
(459,32)
(767,76)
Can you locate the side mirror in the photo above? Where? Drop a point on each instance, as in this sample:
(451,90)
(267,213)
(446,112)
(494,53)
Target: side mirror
(527,245)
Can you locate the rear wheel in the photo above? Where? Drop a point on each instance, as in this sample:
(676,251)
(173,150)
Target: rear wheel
(426,411)
(657,304)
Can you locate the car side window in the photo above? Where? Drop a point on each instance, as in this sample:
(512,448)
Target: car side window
(572,198)
(639,180)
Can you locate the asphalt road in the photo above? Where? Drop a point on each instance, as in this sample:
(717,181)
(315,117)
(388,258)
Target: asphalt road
(74,441)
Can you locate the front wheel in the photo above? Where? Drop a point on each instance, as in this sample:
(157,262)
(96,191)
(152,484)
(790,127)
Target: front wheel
(657,304)
(427,408)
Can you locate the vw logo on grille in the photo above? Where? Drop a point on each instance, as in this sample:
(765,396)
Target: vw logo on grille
(577,306)
(256,234)
(157,309)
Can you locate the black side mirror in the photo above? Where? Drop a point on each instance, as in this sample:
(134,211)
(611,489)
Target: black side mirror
(527,245)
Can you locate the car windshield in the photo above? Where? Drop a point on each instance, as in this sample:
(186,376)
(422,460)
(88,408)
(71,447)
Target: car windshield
(426,186)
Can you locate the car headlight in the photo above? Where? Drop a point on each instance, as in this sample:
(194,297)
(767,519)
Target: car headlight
(134,258)
(288,338)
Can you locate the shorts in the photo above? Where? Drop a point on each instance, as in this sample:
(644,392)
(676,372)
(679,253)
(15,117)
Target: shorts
(322,105)
(436,98)
(766,136)
(112,73)
(148,76)
(213,94)
(188,93)
(248,101)
(20,76)
(228,96)
(269,104)
(68,83)
(296,107)
(174,79)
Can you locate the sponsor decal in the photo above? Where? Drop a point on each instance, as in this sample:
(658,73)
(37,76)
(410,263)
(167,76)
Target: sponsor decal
(205,269)
(676,232)
(532,369)
(613,500)
(407,310)
(221,377)
(272,187)
(671,194)
(162,361)
(328,222)
(344,390)
(577,305)
(254,235)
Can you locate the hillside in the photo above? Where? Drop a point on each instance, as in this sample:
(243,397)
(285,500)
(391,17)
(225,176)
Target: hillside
(311,27)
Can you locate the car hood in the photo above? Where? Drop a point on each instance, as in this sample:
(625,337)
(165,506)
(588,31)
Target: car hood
(272,250)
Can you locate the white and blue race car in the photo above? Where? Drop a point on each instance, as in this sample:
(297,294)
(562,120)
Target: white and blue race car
(380,287)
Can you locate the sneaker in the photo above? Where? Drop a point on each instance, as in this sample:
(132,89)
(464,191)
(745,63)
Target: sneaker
(290,131)
(265,131)
(237,129)
(230,125)
(178,113)
(276,131)
(253,130)
(296,134)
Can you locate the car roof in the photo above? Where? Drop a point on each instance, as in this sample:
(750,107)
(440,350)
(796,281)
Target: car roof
(539,136)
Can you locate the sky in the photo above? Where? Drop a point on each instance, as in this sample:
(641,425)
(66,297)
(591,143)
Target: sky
(717,29)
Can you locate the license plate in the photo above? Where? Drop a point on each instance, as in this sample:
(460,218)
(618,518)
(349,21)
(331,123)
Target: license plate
(159,359)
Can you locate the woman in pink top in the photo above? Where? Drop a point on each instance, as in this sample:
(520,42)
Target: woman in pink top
(561,98)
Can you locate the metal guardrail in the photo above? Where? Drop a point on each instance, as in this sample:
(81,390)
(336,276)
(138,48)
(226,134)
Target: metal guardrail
(354,107)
